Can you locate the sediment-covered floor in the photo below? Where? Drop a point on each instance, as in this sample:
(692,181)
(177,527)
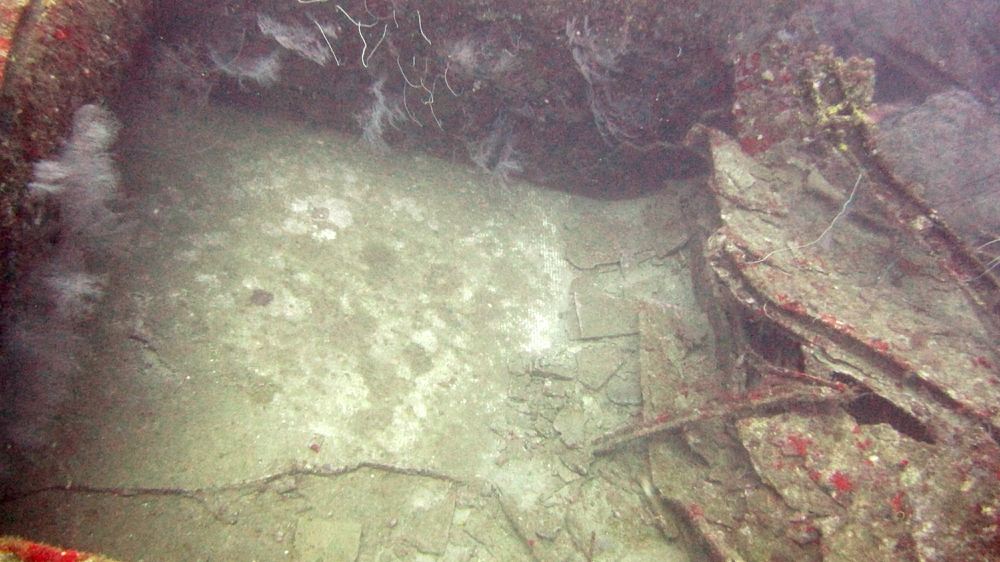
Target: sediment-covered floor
(310,351)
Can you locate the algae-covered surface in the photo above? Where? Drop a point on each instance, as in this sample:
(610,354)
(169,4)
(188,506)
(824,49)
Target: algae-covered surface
(309,351)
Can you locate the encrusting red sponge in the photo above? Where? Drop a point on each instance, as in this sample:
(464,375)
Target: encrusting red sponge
(29,551)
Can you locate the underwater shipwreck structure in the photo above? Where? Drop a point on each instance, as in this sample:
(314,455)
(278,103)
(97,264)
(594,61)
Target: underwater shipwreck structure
(834,184)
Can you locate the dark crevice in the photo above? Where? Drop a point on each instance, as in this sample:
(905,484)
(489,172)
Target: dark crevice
(775,345)
(870,409)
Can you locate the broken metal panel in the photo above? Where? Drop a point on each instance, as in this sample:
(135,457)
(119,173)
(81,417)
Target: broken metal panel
(846,445)
(861,283)
(850,412)
(913,338)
